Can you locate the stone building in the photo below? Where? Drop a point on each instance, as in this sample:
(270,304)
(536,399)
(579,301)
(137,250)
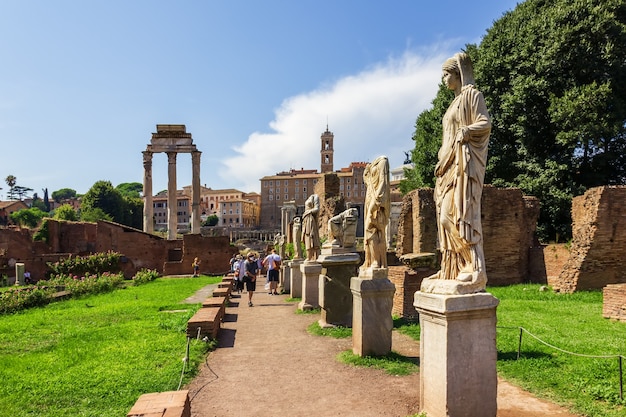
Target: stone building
(295,186)
(183,212)
(8,207)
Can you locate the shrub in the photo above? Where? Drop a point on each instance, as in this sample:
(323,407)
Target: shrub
(98,263)
(87,284)
(144,276)
(16,299)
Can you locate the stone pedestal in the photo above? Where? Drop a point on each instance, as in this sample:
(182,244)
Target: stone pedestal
(310,288)
(371,322)
(295,276)
(335,296)
(285,279)
(19,274)
(457,354)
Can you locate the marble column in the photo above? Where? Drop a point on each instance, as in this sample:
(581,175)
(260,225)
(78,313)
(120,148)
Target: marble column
(195,192)
(148,208)
(172,200)
(19,273)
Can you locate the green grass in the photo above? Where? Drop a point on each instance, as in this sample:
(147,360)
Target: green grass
(574,323)
(94,356)
(392,363)
(336,332)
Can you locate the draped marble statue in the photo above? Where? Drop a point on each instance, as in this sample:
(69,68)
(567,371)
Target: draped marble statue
(310,227)
(297,237)
(460,174)
(342,228)
(376,210)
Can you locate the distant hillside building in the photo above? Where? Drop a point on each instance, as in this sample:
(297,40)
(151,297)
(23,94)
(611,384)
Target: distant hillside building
(8,207)
(297,185)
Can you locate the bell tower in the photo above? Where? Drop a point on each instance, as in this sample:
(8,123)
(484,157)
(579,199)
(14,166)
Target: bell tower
(327,151)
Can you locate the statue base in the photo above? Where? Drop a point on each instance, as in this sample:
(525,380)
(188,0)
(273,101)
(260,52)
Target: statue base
(335,296)
(371,318)
(295,278)
(457,354)
(310,271)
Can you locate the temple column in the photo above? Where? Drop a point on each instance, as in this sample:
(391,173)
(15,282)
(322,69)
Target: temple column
(195,192)
(148,207)
(172,200)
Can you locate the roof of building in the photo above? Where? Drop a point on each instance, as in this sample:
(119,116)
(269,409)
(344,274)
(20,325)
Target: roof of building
(9,203)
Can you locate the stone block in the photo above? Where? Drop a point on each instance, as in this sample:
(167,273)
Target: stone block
(206,322)
(162,404)
(458,354)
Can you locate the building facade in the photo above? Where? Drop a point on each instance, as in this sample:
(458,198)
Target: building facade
(297,185)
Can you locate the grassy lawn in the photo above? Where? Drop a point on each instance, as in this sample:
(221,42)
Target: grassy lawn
(96,355)
(571,322)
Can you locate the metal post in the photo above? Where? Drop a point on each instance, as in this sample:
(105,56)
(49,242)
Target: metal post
(519,346)
(621,384)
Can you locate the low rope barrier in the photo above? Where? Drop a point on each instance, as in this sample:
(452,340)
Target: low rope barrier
(620,358)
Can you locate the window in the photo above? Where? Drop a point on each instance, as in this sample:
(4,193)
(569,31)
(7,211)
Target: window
(277,182)
(297,190)
(286,196)
(278,191)
(304,190)
(304,182)
(265,184)
(277,196)
(297,182)
(296,196)
(271,183)
(271,197)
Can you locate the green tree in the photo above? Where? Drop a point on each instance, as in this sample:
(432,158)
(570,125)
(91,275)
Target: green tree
(11,180)
(553,77)
(46,200)
(63,194)
(38,202)
(103,196)
(28,217)
(427,138)
(94,214)
(130,189)
(65,212)
(133,212)
(211,220)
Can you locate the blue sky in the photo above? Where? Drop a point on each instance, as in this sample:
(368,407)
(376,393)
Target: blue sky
(83,84)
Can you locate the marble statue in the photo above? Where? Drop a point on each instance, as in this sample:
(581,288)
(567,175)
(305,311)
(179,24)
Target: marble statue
(460,174)
(376,210)
(310,228)
(342,228)
(297,237)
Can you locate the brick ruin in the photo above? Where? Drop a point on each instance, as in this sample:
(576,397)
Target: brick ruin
(139,249)
(598,247)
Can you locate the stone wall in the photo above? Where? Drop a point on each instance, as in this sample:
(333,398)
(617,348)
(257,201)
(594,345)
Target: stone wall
(140,250)
(614,302)
(546,263)
(598,246)
(508,219)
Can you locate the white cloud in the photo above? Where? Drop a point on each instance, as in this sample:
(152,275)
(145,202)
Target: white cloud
(371,113)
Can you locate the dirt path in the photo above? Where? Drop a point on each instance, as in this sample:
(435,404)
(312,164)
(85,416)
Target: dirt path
(268,365)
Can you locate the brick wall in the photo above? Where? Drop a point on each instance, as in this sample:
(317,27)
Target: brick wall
(140,250)
(614,302)
(407,282)
(508,219)
(598,246)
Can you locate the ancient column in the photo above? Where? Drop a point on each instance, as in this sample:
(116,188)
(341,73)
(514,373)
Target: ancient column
(195,192)
(148,208)
(172,200)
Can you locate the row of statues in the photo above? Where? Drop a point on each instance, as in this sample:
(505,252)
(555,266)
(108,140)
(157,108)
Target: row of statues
(459,172)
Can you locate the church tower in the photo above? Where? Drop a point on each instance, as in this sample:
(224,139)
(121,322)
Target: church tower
(327,151)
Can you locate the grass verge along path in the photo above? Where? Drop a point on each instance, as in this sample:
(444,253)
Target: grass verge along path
(94,356)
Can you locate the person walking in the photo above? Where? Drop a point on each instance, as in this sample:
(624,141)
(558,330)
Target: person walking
(251,269)
(272,264)
(240,272)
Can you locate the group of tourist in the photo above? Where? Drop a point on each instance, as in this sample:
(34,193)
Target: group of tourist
(247,270)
